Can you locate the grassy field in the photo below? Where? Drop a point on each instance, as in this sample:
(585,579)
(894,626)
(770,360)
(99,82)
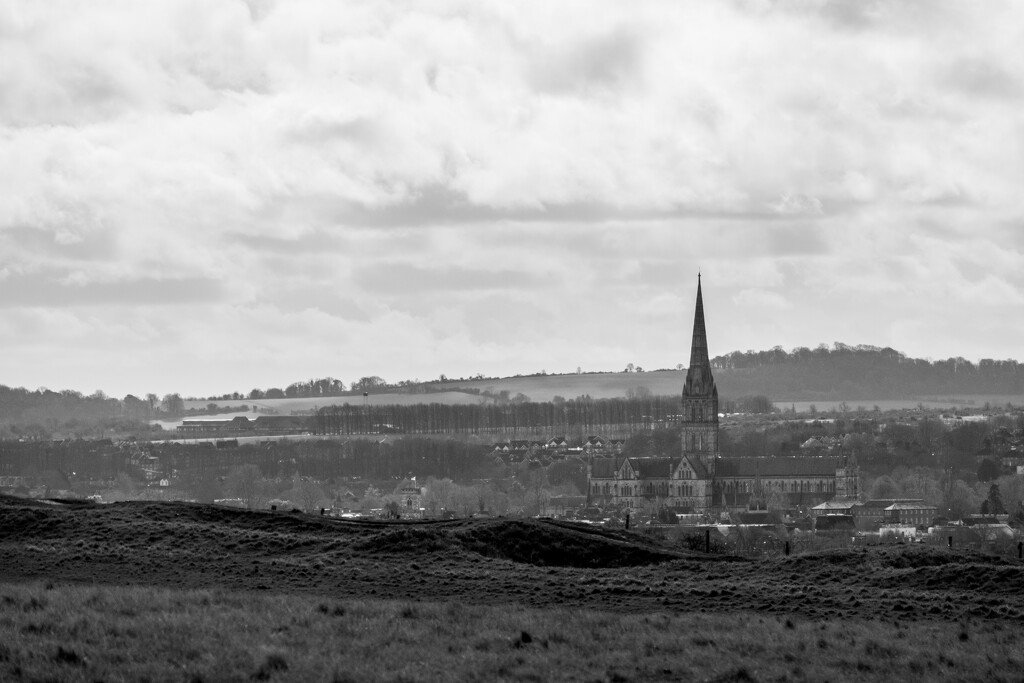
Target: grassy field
(90,633)
(598,385)
(178,591)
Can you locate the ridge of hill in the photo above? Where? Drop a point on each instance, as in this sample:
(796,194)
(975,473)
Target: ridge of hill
(840,372)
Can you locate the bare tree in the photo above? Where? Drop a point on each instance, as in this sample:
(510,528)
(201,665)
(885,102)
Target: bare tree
(309,494)
(247,482)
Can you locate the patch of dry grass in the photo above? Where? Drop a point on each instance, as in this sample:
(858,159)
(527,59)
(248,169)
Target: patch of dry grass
(86,633)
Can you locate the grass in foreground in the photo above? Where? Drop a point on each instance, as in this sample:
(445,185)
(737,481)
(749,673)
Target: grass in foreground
(83,633)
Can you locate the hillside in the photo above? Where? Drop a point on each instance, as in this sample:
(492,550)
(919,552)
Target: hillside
(486,561)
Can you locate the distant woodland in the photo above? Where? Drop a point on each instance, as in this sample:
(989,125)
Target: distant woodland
(842,372)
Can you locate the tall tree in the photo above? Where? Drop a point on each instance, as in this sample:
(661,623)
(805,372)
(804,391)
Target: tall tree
(995,501)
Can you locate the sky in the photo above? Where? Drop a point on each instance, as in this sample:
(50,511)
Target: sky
(209,196)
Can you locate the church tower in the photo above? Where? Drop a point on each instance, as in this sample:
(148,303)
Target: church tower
(700,399)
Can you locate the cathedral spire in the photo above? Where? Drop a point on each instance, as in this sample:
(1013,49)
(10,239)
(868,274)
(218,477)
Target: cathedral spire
(699,381)
(699,348)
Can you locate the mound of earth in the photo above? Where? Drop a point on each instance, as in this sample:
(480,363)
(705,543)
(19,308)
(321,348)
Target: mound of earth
(536,542)
(488,561)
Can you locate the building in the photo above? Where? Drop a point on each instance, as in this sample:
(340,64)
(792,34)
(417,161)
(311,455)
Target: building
(916,514)
(700,479)
(872,514)
(264,424)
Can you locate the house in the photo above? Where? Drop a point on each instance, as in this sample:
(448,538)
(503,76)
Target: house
(557,443)
(526,447)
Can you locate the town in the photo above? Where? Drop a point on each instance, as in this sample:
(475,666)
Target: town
(673,468)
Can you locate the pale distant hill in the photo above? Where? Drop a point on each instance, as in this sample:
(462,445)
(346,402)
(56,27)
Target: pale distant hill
(826,376)
(595,385)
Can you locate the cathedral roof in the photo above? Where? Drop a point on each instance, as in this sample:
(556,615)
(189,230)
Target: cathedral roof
(698,467)
(605,468)
(654,468)
(776,467)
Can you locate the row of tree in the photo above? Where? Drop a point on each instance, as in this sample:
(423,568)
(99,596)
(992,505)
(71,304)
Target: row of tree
(862,372)
(328,386)
(560,416)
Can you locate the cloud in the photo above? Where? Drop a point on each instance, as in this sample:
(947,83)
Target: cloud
(400,278)
(982,78)
(759,298)
(371,170)
(67,290)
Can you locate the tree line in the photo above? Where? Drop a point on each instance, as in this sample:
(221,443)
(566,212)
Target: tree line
(861,372)
(103,460)
(582,415)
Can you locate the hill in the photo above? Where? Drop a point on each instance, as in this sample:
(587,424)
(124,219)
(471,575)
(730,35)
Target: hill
(841,373)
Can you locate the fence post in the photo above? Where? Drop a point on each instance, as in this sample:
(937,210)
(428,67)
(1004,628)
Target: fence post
(950,541)
(787,548)
(627,520)
(1020,550)
(707,540)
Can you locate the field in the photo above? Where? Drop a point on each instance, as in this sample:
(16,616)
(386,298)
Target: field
(537,388)
(175,591)
(286,406)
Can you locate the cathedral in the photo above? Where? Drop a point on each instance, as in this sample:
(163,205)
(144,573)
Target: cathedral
(700,479)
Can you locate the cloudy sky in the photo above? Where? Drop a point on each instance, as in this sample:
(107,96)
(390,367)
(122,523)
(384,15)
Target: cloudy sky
(208,196)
